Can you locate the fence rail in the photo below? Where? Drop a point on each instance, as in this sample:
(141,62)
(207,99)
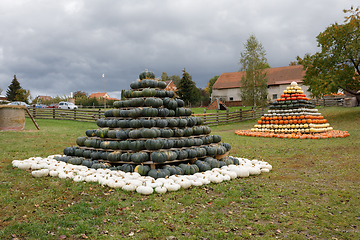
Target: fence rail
(328,102)
(85,115)
(91,115)
(230,117)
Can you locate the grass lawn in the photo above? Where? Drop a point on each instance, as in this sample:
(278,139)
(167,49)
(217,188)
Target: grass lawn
(312,192)
(200,110)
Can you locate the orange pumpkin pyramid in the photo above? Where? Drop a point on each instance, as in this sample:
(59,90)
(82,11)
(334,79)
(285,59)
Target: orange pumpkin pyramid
(292,116)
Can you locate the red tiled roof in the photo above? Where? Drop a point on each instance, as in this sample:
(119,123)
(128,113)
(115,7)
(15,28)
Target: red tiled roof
(276,76)
(97,95)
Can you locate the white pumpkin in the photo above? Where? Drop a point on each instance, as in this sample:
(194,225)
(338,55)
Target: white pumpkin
(161,189)
(145,190)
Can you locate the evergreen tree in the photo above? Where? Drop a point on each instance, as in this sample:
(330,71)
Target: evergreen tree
(13,89)
(253,89)
(187,89)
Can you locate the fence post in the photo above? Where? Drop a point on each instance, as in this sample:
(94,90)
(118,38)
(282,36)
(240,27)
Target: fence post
(227,116)
(54,113)
(99,113)
(34,112)
(240,115)
(74,114)
(217,117)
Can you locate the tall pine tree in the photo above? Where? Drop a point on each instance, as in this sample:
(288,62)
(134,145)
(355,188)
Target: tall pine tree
(16,93)
(253,89)
(187,89)
(13,89)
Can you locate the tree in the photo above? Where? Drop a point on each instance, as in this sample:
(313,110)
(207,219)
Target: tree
(78,94)
(210,84)
(187,89)
(336,66)
(164,77)
(253,89)
(16,93)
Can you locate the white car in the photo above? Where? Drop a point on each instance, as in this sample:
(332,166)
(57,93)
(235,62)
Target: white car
(19,103)
(67,105)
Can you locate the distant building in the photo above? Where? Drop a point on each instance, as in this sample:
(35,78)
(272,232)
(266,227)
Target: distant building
(43,98)
(227,87)
(3,98)
(170,86)
(102,95)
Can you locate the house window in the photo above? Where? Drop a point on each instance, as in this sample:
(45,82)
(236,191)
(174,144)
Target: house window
(231,98)
(274,96)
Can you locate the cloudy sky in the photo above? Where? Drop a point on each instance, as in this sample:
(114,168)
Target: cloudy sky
(63,46)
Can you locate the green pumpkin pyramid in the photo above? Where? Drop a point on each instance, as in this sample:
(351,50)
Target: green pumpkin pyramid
(152,128)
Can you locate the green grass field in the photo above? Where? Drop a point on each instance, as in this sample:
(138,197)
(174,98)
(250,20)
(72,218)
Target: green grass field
(312,192)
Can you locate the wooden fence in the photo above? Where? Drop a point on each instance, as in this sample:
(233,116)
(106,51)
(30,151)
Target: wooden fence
(328,102)
(91,115)
(85,115)
(230,117)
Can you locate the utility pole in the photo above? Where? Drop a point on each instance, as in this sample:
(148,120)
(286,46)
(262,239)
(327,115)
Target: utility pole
(104,93)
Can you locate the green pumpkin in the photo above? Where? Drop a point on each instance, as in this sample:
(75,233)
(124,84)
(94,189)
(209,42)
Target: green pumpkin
(189,142)
(69,151)
(227,160)
(180,102)
(227,146)
(123,123)
(203,166)
(112,133)
(189,169)
(135,123)
(161,123)
(178,132)
(102,132)
(159,173)
(127,167)
(118,104)
(192,153)
(81,141)
(135,113)
(125,157)
(173,122)
(135,84)
(87,153)
(75,161)
(136,145)
(87,163)
(174,170)
(167,133)
(111,123)
(120,134)
(172,105)
(101,122)
(188,132)
(170,94)
(105,145)
(142,169)
(148,133)
(222,164)
(95,155)
(148,123)
(168,143)
(124,145)
(135,133)
(154,144)
(87,142)
(114,145)
(91,133)
(212,162)
(163,112)
(179,112)
(146,75)
(161,85)
(158,157)
(180,143)
(139,157)
(113,156)
(79,152)
(116,112)
(182,155)
(182,123)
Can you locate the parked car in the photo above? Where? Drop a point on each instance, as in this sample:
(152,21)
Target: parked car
(67,105)
(40,106)
(53,106)
(19,103)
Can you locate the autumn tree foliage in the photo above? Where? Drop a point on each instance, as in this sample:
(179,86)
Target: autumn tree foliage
(336,65)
